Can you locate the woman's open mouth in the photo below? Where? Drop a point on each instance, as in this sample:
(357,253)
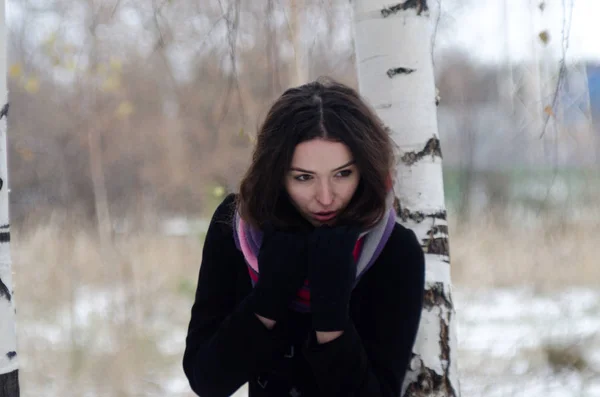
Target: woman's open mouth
(324,216)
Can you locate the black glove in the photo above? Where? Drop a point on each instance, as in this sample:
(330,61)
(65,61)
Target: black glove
(282,271)
(331,275)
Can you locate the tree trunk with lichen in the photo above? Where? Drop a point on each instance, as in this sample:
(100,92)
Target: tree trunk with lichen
(9,366)
(395,74)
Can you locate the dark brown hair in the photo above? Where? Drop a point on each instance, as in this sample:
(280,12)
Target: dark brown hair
(321,109)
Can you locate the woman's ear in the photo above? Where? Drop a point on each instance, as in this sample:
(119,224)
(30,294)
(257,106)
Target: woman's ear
(388,182)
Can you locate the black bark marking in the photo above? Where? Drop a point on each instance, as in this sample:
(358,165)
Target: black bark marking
(4,111)
(435,296)
(11,355)
(397,207)
(419,5)
(437,245)
(432,148)
(445,347)
(417,216)
(4,237)
(445,341)
(4,226)
(1,183)
(395,71)
(428,382)
(437,229)
(9,384)
(4,292)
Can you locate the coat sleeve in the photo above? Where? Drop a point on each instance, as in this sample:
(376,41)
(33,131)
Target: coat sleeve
(226,344)
(371,360)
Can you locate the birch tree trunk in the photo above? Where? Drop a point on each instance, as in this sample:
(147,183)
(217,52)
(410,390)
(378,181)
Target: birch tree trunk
(395,74)
(9,374)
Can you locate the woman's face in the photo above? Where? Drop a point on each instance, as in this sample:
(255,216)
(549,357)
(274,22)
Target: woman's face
(322,180)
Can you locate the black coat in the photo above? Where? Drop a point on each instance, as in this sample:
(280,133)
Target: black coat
(227,345)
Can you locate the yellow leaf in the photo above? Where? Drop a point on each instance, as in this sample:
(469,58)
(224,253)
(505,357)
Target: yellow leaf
(25,153)
(544,36)
(55,60)
(51,39)
(218,191)
(101,69)
(32,85)
(548,110)
(116,64)
(16,70)
(111,84)
(125,109)
(70,65)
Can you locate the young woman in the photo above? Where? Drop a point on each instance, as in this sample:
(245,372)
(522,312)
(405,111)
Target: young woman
(308,287)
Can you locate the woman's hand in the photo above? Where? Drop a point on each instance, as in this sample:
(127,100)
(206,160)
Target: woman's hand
(266,321)
(282,271)
(325,337)
(331,275)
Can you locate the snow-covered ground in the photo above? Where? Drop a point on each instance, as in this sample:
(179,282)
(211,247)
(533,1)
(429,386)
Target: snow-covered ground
(507,339)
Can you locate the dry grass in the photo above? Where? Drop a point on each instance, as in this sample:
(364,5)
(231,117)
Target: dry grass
(111,321)
(554,253)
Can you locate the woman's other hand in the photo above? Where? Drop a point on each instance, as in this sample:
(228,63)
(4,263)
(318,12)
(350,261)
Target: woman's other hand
(282,271)
(331,275)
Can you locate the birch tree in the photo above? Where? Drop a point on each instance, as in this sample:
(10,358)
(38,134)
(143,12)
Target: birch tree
(395,74)
(9,374)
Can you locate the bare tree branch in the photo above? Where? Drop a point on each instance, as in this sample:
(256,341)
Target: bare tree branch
(566,30)
(233,80)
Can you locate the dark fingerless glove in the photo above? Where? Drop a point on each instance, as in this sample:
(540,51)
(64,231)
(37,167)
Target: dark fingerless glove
(282,271)
(331,275)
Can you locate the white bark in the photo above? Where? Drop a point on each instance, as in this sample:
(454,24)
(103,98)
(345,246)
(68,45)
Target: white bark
(395,74)
(8,340)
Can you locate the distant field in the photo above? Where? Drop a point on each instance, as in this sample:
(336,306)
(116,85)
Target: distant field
(541,191)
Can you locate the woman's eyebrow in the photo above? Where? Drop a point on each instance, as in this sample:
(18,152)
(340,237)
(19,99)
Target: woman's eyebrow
(349,163)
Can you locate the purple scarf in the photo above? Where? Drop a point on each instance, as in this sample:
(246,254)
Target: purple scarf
(249,239)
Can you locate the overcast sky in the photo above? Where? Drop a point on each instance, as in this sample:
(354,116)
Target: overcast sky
(482,28)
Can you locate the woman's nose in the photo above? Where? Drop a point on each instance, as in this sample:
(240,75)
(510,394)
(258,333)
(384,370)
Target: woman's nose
(325,194)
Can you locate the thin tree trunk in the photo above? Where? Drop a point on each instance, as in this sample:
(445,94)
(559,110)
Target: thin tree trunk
(272,50)
(300,64)
(94,132)
(395,74)
(99,185)
(9,363)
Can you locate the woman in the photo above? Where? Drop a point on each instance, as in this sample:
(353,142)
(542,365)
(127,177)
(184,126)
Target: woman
(308,287)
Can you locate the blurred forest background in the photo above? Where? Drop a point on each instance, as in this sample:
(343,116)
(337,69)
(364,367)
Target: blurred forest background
(129,121)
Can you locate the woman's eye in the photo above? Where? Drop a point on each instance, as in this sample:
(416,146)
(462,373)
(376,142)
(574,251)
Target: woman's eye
(302,178)
(344,173)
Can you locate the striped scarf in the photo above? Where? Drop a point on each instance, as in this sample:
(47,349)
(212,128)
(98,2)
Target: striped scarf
(366,251)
